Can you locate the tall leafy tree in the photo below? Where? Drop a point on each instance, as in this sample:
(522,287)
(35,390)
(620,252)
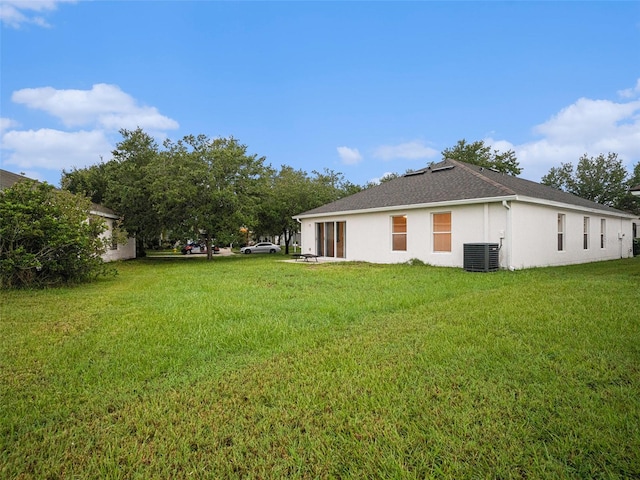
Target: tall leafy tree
(601,179)
(289,192)
(293,191)
(129,187)
(477,153)
(91,182)
(634,179)
(207,187)
(630,202)
(329,186)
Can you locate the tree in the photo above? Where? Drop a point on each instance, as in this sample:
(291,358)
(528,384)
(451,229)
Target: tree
(123,184)
(207,187)
(629,202)
(129,186)
(289,192)
(90,182)
(634,179)
(477,153)
(600,179)
(47,237)
(329,186)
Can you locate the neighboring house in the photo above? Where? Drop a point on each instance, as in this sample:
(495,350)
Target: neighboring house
(115,251)
(635,190)
(430,215)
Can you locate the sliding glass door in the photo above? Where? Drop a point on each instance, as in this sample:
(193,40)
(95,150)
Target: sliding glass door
(331,239)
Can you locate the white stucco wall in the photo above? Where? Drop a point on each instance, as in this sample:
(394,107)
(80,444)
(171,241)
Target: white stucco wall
(123,251)
(535,236)
(526,232)
(368,235)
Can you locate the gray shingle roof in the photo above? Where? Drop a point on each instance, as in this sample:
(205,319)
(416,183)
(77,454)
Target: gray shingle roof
(8,179)
(450,181)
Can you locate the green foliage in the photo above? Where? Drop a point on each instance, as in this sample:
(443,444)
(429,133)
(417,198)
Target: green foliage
(416,262)
(130,186)
(200,187)
(90,182)
(601,179)
(259,368)
(290,192)
(477,153)
(47,237)
(207,187)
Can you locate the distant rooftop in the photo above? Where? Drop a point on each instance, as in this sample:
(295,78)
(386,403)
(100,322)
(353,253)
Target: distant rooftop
(8,179)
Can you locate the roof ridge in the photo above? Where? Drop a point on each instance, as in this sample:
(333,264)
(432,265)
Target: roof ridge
(468,168)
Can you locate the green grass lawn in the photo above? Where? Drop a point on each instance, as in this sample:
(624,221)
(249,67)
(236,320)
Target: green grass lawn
(250,367)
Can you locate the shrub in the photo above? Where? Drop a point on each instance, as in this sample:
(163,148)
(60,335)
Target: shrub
(47,237)
(416,262)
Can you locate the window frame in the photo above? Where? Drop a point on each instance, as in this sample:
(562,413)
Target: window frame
(399,233)
(603,233)
(438,234)
(562,227)
(586,224)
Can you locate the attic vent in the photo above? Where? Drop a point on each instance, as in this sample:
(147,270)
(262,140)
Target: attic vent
(415,172)
(440,169)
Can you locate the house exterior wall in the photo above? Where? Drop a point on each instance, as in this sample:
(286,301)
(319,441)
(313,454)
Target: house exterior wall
(535,236)
(526,232)
(368,236)
(121,251)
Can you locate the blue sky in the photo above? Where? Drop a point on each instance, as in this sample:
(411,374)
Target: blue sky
(363,88)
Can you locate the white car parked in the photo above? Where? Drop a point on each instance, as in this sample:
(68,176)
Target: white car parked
(262,247)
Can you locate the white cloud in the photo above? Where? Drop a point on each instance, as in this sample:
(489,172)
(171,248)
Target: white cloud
(104,106)
(631,92)
(15,13)
(53,149)
(349,156)
(102,110)
(376,180)
(6,124)
(587,127)
(415,150)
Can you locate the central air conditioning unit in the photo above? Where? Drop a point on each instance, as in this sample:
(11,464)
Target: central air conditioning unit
(481,257)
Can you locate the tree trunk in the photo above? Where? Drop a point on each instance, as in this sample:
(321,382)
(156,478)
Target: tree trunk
(209,248)
(287,239)
(141,252)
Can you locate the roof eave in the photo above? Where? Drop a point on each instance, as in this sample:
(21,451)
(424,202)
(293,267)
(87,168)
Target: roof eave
(569,206)
(470,201)
(415,206)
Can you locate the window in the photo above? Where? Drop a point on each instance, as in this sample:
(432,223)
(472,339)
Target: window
(561,238)
(399,233)
(603,233)
(585,233)
(442,232)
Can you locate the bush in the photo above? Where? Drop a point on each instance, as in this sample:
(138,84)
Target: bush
(47,237)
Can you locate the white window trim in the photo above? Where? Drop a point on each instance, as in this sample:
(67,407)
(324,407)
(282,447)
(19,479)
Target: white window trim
(433,234)
(406,234)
